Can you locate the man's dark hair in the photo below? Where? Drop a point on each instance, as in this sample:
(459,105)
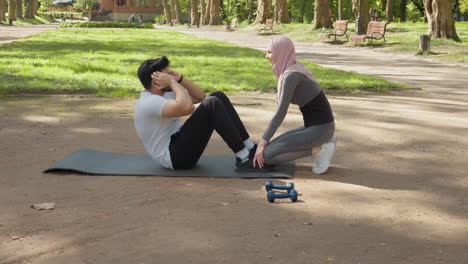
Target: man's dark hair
(148,67)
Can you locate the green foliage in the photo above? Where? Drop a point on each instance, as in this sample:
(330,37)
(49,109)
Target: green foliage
(85,4)
(44,5)
(159,18)
(105,61)
(106,25)
(464,6)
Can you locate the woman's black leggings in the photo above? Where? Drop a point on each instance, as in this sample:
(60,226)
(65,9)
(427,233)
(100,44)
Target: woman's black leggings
(215,112)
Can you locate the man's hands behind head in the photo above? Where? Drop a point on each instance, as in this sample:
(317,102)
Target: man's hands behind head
(162,80)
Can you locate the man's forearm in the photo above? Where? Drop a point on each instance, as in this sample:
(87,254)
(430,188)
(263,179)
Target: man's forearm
(193,89)
(182,95)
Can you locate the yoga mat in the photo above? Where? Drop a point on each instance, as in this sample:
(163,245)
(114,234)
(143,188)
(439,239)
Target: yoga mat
(106,163)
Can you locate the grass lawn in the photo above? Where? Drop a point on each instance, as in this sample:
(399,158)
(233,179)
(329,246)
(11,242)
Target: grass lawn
(39,19)
(401,37)
(105,61)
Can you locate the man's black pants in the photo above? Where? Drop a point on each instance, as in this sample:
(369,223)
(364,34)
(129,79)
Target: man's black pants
(214,113)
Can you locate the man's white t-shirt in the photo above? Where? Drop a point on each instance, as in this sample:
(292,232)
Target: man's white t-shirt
(152,128)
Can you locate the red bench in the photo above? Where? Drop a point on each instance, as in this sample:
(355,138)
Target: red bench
(375,30)
(340,27)
(267,27)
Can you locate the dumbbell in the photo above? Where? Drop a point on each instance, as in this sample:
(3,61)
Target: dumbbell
(270,186)
(271,196)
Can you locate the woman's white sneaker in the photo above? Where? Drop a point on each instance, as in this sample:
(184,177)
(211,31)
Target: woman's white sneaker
(324,158)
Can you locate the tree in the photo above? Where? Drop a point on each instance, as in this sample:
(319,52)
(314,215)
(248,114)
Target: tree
(194,12)
(85,4)
(31,8)
(2,10)
(322,14)
(389,10)
(403,10)
(214,13)
(176,10)
(340,9)
(362,15)
(19,8)
(263,11)
(203,11)
(440,19)
(11,11)
(281,9)
(167,11)
(206,19)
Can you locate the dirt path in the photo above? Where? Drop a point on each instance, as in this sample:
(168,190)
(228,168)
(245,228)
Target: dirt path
(397,191)
(12,33)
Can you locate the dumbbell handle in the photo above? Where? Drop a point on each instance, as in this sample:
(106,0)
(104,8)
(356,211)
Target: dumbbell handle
(270,186)
(272,196)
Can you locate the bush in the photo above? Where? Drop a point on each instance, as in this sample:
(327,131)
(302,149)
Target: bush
(160,19)
(106,25)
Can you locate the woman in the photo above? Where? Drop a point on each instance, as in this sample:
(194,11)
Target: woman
(297,85)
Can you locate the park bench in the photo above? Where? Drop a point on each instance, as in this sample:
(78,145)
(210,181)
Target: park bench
(375,30)
(231,26)
(340,28)
(268,26)
(233,23)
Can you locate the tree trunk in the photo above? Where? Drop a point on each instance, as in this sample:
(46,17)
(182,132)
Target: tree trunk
(206,19)
(440,19)
(11,10)
(282,14)
(250,12)
(403,5)
(389,10)
(35,7)
(203,11)
(340,9)
(355,8)
(322,14)
(263,11)
(383,3)
(19,9)
(214,13)
(167,11)
(363,17)
(176,9)
(2,11)
(30,9)
(194,12)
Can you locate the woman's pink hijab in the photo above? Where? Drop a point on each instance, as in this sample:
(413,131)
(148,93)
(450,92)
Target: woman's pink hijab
(284,56)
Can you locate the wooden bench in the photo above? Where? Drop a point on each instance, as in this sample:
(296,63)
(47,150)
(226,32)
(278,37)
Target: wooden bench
(375,30)
(268,26)
(340,28)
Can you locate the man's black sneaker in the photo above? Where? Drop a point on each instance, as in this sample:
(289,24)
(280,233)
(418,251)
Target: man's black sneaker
(247,166)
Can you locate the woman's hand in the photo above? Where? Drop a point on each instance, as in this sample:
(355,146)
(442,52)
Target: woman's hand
(161,79)
(258,158)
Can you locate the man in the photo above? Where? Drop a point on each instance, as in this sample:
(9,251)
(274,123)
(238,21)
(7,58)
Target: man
(168,96)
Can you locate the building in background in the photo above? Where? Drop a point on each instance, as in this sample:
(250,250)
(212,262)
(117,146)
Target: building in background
(121,10)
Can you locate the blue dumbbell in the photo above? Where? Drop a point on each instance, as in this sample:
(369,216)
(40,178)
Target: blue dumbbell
(272,196)
(270,186)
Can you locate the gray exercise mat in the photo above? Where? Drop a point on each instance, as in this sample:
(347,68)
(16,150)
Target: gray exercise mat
(106,163)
